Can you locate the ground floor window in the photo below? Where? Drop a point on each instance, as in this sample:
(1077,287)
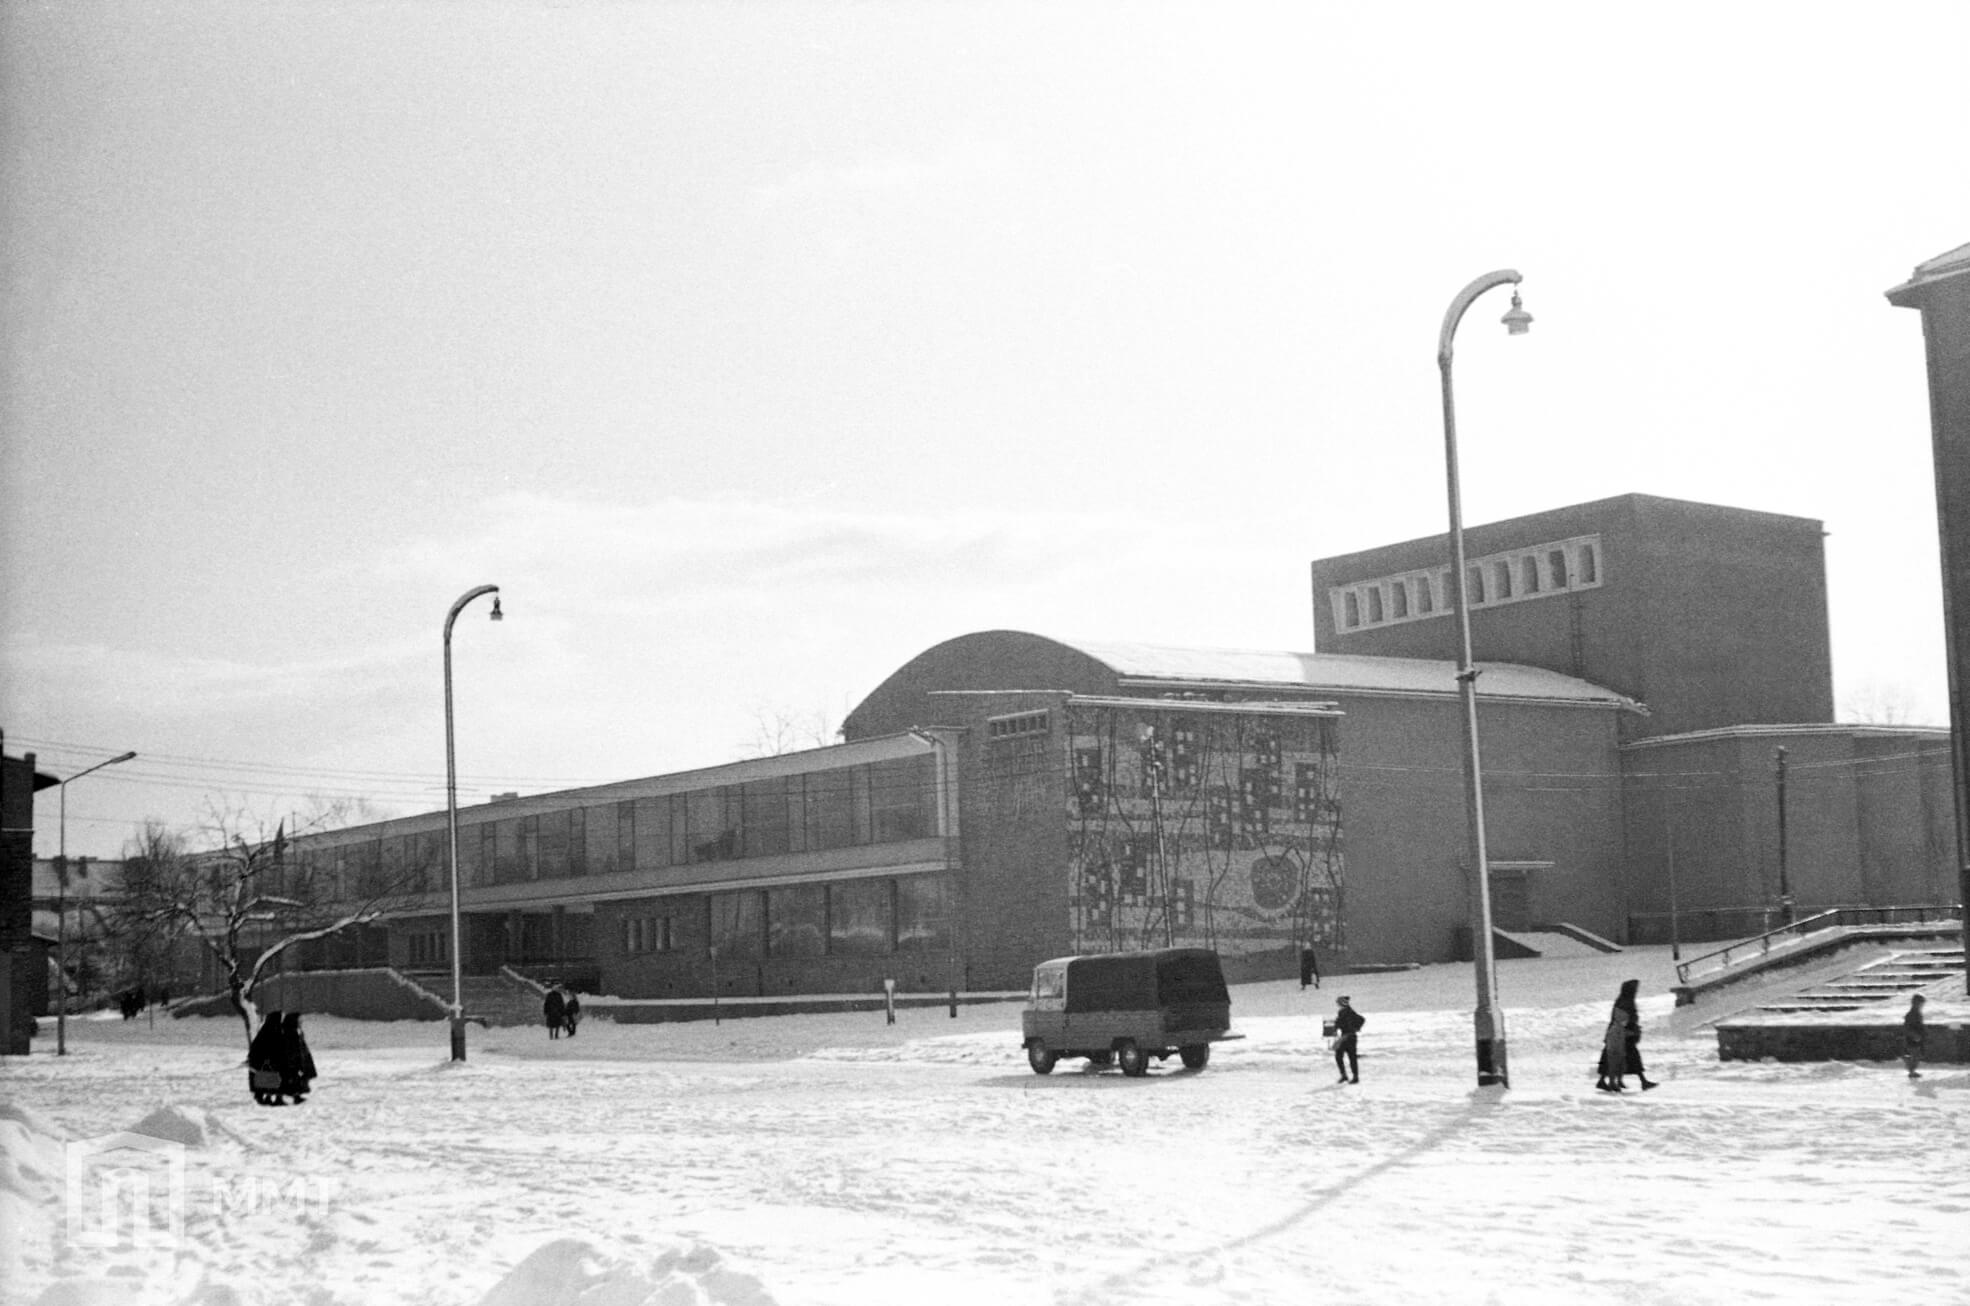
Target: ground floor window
(641,934)
(861,918)
(925,906)
(428,947)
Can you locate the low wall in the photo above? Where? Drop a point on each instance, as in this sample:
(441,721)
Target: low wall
(370,994)
(1766,1038)
(664,1011)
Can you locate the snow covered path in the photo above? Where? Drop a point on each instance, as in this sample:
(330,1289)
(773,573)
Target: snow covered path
(833,1160)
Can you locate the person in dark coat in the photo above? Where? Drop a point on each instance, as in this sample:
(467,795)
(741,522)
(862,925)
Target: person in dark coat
(1914,1035)
(1309,968)
(572,1013)
(1347,1028)
(263,1056)
(555,1011)
(297,1068)
(1621,1046)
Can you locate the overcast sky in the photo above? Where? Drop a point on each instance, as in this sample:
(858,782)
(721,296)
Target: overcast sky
(752,349)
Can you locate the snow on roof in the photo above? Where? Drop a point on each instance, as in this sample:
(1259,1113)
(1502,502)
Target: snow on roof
(1340,672)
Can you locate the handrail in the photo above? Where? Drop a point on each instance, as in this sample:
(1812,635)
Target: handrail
(1837,917)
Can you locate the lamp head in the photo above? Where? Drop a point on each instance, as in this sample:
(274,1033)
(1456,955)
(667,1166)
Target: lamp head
(496,614)
(1517,321)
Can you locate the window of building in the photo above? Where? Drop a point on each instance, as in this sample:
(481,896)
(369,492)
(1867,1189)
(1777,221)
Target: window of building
(1351,602)
(900,798)
(1588,572)
(861,918)
(797,921)
(1022,723)
(429,948)
(830,809)
(644,934)
(528,855)
(1474,585)
(577,841)
(651,818)
(765,821)
(711,819)
(1503,571)
(1399,599)
(488,867)
(1425,595)
(737,923)
(924,908)
(1529,569)
(1556,564)
(625,836)
(1374,604)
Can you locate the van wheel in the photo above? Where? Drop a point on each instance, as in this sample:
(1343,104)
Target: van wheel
(1195,1055)
(1135,1062)
(1040,1057)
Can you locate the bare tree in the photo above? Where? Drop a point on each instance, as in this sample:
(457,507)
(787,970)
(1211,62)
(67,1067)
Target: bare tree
(780,729)
(1879,703)
(249,896)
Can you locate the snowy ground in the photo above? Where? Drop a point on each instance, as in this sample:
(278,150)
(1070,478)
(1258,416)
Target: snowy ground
(835,1160)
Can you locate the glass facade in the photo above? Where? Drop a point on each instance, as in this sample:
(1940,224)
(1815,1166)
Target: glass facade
(848,807)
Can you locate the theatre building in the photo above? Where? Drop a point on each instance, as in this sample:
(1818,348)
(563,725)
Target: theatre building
(1004,796)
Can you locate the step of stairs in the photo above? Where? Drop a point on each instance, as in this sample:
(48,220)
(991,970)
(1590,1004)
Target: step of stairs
(489,999)
(1882,980)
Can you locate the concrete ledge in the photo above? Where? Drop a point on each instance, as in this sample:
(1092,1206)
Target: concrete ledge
(651,1011)
(1759,1041)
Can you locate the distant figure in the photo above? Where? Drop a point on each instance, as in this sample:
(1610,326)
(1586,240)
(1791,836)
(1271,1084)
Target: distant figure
(1347,1028)
(1309,968)
(263,1062)
(572,1013)
(297,1065)
(555,1011)
(1621,1044)
(1913,1035)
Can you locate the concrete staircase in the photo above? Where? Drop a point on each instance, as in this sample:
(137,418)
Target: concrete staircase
(1894,976)
(489,999)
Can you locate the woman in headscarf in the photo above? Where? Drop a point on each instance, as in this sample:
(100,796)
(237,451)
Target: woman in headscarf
(1621,1045)
(297,1070)
(263,1062)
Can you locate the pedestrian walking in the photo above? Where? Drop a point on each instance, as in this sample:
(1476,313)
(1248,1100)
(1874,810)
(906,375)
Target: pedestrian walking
(1309,968)
(572,1013)
(555,1011)
(297,1063)
(1913,1036)
(1347,1028)
(263,1061)
(1621,1043)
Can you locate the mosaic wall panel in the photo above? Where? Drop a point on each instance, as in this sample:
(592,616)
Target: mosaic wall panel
(1208,829)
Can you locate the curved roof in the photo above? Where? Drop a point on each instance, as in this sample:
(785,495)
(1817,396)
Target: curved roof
(1012,661)
(1339,672)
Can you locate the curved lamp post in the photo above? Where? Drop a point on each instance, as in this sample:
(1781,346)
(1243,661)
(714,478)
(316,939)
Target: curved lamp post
(1490,1020)
(61,910)
(451,827)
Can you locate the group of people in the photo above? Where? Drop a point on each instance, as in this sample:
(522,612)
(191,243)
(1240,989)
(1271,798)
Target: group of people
(278,1063)
(562,1012)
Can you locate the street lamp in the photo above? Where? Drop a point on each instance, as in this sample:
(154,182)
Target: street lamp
(61,910)
(1490,1020)
(451,826)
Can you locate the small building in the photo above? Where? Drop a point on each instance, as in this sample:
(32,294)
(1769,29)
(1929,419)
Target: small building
(23,959)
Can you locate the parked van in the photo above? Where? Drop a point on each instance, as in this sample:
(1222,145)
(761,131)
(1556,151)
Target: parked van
(1127,1007)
